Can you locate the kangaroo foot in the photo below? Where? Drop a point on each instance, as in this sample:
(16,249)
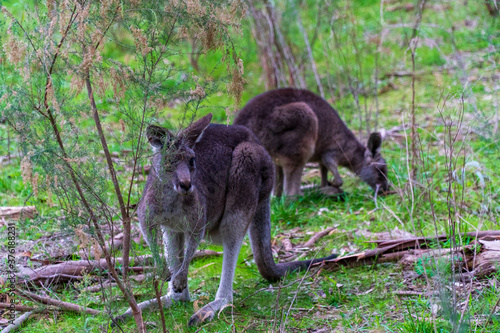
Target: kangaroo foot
(331,190)
(179,282)
(207,312)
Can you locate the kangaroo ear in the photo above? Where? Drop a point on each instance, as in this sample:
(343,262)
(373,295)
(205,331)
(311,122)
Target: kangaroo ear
(194,132)
(157,136)
(374,143)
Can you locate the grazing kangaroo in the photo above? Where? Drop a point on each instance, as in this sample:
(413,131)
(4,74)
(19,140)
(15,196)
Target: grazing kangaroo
(209,181)
(297,126)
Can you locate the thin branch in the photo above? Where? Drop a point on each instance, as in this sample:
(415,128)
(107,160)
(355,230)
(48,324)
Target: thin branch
(158,298)
(23,308)
(317,236)
(50,301)
(17,323)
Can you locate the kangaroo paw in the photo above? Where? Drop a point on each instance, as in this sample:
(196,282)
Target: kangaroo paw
(179,283)
(207,312)
(331,190)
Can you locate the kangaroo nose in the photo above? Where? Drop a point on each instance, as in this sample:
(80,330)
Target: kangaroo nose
(185,185)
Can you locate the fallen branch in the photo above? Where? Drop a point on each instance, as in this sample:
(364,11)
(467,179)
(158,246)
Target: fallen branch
(14,213)
(70,270)
(22,308)
(98,287)
(60,304)
(317,236)
(18,322)
(408,251)
(418,241)
(412,293)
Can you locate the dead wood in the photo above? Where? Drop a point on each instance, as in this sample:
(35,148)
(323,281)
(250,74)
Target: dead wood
(206,253)
(409,251)
(22,308)
(412,293)
(15,213)
(73,270)
(412,242)
(17,323)
(317,236)
(98,287)
(60,304)
(287,244)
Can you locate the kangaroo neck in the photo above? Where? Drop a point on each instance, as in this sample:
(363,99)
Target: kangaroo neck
(353,156)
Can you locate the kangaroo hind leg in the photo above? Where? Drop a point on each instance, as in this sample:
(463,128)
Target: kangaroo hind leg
(244,189)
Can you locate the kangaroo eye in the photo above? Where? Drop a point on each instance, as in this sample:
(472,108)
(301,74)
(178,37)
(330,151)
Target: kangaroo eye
(191,161)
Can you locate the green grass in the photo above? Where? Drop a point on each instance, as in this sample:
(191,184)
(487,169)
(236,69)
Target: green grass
(360,299)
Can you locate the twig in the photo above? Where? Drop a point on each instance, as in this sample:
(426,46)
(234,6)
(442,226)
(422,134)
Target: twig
(50,301)
(158,298)
(317,236)
(18,322)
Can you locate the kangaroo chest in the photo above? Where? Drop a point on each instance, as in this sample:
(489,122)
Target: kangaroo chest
(178,213)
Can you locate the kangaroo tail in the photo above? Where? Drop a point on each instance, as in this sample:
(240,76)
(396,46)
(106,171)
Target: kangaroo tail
(260,239)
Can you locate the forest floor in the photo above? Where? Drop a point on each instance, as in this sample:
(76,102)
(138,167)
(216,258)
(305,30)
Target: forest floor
(458,191)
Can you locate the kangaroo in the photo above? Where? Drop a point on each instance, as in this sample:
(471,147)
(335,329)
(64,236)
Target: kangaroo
(296,126)
(210,181)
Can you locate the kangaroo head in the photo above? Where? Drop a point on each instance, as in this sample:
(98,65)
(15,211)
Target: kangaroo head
(174,157)
(374,169)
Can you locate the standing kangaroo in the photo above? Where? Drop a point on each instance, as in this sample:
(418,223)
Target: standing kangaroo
(209,181)
(297,126)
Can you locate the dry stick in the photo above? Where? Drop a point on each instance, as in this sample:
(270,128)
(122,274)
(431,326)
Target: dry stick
(15,213)
(125,217)
(18,322)
(311,58)
(158,298)
(50,301)
(16,307)
(317,236)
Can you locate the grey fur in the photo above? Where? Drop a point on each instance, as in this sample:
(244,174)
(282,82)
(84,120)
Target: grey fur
(222,196)
(296,126)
